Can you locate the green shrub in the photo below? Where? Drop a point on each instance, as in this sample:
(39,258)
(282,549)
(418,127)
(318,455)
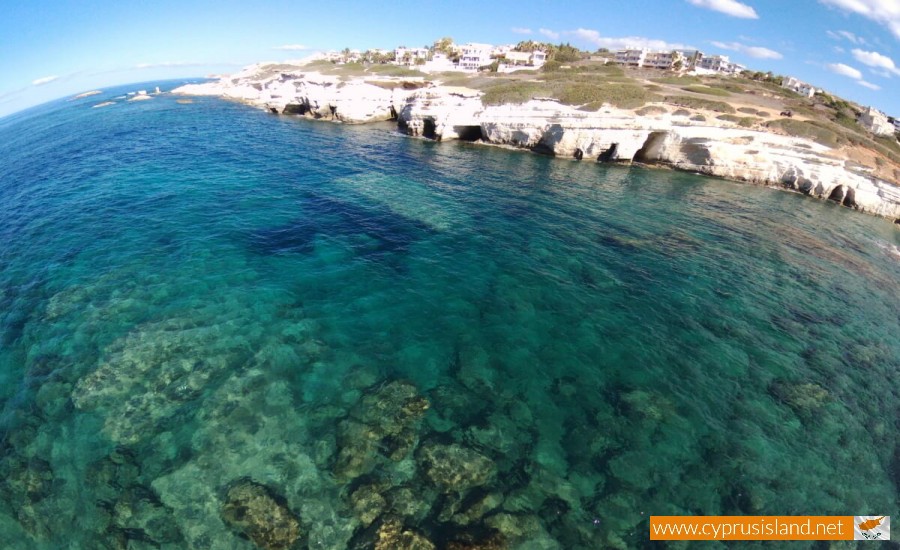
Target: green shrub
(699,103)
(677,80)
(745,121)
(682,112)
(809,129)
(707,90)
(624,96)
(551,66)
(514,92)
(648,110)
(698,118)
(392,70)
(729,86)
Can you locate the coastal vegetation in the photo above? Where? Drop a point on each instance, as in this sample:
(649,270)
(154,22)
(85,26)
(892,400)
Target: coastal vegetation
(707,90)
(700,103)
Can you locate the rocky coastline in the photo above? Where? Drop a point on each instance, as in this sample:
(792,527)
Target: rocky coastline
(682,139)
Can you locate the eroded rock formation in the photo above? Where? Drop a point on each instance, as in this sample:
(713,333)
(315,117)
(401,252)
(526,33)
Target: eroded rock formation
(699,144)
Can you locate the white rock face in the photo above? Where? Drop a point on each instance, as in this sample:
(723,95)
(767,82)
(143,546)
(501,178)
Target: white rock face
(724,149)
(716,148)
(294,91)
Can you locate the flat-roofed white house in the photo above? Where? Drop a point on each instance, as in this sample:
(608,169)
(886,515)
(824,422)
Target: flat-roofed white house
(516,61)
(409,56)
(664,60)
(720,64)
(439,62)
(475,56)
(534,59)
(798,86)
(631,58)
(876,122)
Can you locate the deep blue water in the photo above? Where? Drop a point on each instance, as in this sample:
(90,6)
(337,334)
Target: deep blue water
(199,296)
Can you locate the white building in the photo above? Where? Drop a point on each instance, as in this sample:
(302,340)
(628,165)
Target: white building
(798,86)
(409,56)
(475,56)
(531,59)
(876,122)
(500,51)
(439,63)
(896,122)
(664,60)
(651,59)
(631,58)
(720,64)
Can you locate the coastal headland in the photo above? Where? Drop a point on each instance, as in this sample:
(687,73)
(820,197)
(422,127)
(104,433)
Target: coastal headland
(728,127)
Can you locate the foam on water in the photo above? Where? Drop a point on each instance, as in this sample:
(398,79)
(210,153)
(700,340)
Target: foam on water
(372,337)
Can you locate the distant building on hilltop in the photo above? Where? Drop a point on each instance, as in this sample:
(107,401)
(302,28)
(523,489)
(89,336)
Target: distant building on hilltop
(719,64)
(896,122)
(664,60)
(876,122)
(631,58)
(475,56)
(677,60)
(409,56)
(798,86)
(535,59)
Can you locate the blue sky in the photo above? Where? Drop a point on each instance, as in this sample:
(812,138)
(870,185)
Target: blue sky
(55,48)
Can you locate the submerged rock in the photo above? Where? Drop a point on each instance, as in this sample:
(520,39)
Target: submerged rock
(455,468)
(251,509)
(27,480)
(151,372)
(393,536)
(368,503)
(381,423)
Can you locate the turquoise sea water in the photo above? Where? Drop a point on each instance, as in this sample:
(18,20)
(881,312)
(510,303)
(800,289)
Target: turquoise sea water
(225,329)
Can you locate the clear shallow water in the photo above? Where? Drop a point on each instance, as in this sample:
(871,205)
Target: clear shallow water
(202,297)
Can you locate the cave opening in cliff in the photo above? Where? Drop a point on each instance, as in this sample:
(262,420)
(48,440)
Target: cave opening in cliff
(837,194)
(468,133)
(609,154)
(429,129)
(850,198)
(651,151)
(295,109)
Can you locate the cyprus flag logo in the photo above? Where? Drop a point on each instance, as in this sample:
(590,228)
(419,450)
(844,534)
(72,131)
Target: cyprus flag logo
(872,527)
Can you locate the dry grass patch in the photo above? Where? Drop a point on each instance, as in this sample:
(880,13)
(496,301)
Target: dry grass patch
(700,103)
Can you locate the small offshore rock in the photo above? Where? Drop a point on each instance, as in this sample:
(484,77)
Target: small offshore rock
(252,510)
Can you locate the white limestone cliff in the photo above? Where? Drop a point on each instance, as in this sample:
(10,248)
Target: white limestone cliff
(717,147)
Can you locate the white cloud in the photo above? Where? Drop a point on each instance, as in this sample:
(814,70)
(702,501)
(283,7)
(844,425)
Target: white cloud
(43,80)
(839,49)
(728,7)
(753,51)
(291,47)
(521,30)
(614,43)
(169,64)
(885,12)
(844,70)
(876,60)
(549,34)
(846,35)
(869,85)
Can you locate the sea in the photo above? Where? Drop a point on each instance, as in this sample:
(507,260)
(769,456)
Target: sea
(226,329)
